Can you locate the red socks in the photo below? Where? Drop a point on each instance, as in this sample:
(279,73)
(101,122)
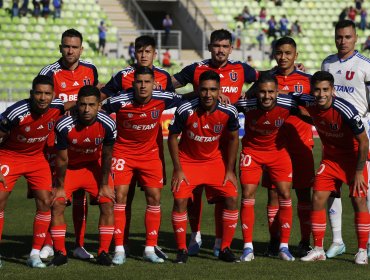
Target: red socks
(152,224)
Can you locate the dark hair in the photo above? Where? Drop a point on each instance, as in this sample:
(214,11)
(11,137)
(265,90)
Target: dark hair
(72,33)
(345,23)
(221,34)
(144,41)
(88,90)
(321,76)
(209,75)
(141,70)
(285,41)
(266,77)
(42,80)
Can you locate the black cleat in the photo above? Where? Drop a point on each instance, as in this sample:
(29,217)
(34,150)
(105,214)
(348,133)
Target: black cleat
(59,259)
(182,256)
(226,255)
(104,259)
(159,252)
(273,248)
(303,248)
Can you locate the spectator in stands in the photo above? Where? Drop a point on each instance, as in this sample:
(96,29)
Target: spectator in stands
(131,53)
(263,15)
(45,8)
(273,43)
(15,9)
(343,14)
(166,59)
(247,16)
(278,2)
(250,61)
(102,30)
(260,39)
(363,20)
(284,26)
(57,8)
(296,29)
(271,27)
(352,14)
(366,44)
(358,5)
(238,36)
(36,8)
(24,9)
(167,24)
(1,3)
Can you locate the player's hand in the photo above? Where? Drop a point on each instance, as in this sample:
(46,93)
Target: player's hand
(224,99)
(3,181)
(359,185)
(108,192)
(177,178)
(58,193)
(300,67)
(230,176)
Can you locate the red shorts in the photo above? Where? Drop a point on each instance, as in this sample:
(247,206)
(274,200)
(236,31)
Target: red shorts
(276,163)
(303,170)
(209,174)
(85,178)
(36,170)
(148,172)
(332,173)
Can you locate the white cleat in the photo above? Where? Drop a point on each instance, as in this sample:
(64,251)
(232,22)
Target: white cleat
(314,255)
(81,253)
(46,252)
(119,258)
(247,255)
(285,255)
(335,249)
(34,261)
(152,257)
(361,257)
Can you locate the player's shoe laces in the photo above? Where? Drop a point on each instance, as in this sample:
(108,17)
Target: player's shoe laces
(247,255)
(216,251)
(226,255)
(46,252)
(152,257)
(34,261)
(119,258)
(303,249)
(81,253)
(159,252)
(335,249)
(272,248)
(314,255)
(361,257)
(104,259)
(58,260)
(194,247)
(285,255)
(181,257)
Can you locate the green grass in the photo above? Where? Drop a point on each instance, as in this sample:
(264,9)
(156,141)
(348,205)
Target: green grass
(17,232)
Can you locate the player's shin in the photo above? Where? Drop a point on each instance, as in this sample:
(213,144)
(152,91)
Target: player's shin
(247,219)
(318,225)
(335,217)
(152,224)
(119,224)
(304,210)
(79,213)
(106,227)
(229,222)
(1,223)
(179,222)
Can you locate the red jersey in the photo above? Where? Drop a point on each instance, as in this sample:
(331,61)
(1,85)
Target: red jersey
(138,124)
(297,131)
(262,127)
(84,143)
(123,79)
(28,131)
(337,126)
(201,130)
(67,82)
(232,76)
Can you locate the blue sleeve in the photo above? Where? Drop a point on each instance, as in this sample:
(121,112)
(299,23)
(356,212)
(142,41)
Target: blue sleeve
(96,76)
(5,123)
(233,122)
(186,75)
(356,124)
(111,106)
(114,85)
(174,101)
(169,86)
(177,123)
(110,132)
(250,74)
(61,138)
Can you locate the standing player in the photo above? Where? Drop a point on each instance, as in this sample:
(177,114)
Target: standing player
(263,146)
(351,72)
(233,76)
(25,126)
(70,74)
(145,53)
(345,149)
(197,160)
(136,151)
(85,145)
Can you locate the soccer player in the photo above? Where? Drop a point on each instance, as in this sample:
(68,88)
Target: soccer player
(25,126)
(233,76)
(198,160)
(145,53)
(351,71)
(263,146)
(85,145)
(136,151)
(70,73)
(345,149)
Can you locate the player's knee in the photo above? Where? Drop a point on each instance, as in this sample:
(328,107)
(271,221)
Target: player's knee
(231,203)
(107,208)
(179,205)
(58,207)
(359,204)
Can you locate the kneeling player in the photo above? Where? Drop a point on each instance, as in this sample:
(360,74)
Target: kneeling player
(197,160)
(81,140)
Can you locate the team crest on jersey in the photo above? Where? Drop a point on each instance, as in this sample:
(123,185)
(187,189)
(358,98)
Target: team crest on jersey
(63,84)
(195,125)
(154,114)
(334,126)
(86,81)
(50,125)
(27,129)
(98,141)
(298,88)
(349,75)
(74,141)
(233,76)
(157,86)
(217,128)
(279,122)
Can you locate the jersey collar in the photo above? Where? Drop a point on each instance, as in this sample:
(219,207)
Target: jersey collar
(344,60)
(64,67)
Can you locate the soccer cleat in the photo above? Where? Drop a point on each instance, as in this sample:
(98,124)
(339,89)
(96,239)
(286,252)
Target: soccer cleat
(34,261)
(152,257)
(58,260)
(368,250)
(104,259)
(272,248)
(335,249)
(1,264)
(285,255)
(194,247)
(46,252)
(227,255)
(127,250)
(119,258)
(216,251)
(247,255)
(361,257)
(81,253)
(181,257)
(303,249)
(158,251)
(314,255)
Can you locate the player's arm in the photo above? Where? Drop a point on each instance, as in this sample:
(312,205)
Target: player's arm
(178,174)
(363,149)
(232,150)
(106,163)
(176,83)
(61,164)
